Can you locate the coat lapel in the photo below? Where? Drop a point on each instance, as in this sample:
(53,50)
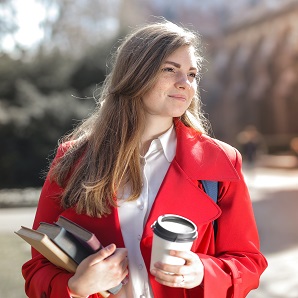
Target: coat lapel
(180,195)
(203,158)
(198,157)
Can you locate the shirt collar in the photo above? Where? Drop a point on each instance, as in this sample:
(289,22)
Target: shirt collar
(168,142)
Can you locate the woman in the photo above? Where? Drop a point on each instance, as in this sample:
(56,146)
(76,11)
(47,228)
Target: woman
(142,154)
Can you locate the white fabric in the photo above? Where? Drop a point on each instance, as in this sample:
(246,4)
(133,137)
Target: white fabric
(133,215)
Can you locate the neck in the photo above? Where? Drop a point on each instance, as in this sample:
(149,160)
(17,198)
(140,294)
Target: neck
(153,129)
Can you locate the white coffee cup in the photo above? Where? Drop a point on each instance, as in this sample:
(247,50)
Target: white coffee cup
(171,232)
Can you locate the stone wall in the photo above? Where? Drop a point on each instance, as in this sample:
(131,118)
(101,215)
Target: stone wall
(254,76)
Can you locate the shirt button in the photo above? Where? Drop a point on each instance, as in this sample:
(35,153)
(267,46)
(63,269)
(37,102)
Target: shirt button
(139,237)
(141,207)
(140,267)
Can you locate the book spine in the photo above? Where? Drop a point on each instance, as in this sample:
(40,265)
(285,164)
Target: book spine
(92,245)
(71,246)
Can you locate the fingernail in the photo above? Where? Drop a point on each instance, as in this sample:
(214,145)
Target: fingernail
(109,247)
(153,271)
(125,280)
(157,264)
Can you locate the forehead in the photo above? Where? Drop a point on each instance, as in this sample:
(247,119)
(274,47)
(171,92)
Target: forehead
(185,54)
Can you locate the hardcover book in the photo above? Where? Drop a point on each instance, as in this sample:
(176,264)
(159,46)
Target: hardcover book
(87,238)
(51,251)
(44,245)
(65,240)
(65,244)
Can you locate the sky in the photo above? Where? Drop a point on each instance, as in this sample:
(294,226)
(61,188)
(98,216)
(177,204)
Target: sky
(29,14)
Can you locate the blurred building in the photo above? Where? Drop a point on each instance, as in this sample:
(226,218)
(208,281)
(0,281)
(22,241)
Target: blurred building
(256,72)
(252,70)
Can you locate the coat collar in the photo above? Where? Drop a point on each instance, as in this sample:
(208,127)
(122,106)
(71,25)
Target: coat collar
(198,157)
(202,157)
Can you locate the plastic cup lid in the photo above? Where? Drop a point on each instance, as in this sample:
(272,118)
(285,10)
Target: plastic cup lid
(175,228)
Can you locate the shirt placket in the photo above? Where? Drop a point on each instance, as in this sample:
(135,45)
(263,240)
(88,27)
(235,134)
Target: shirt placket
(142,205)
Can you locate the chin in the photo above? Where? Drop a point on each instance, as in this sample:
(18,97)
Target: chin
(178,114)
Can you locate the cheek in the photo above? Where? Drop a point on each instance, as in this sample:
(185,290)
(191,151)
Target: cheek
(151,99)
(194,88)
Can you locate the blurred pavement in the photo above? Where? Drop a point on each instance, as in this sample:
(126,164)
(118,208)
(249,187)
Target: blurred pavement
(274,192)
(16,217)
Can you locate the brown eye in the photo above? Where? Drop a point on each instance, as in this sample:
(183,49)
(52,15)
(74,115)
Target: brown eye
(168,69)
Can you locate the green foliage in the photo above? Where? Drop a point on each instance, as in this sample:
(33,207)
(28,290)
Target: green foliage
(50,72)
(40,100)
(91,69)
(30,130)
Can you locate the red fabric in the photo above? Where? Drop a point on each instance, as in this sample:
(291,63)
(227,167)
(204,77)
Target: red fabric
(233,264)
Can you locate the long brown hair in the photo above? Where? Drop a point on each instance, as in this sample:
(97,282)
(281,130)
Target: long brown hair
(105,150)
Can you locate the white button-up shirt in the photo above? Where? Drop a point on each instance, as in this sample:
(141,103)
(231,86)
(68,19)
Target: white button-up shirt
(133,215)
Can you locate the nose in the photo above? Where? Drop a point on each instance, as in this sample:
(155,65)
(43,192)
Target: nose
(182,82)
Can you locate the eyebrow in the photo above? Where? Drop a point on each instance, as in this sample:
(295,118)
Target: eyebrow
(178,65)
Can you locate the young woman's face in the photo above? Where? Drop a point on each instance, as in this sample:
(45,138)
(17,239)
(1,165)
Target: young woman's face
(175,87)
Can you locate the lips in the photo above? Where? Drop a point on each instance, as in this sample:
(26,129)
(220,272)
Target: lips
(178,97)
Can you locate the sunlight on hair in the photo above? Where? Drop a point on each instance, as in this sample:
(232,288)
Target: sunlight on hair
(194,121)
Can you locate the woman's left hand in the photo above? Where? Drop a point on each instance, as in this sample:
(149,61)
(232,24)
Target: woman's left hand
(186,276)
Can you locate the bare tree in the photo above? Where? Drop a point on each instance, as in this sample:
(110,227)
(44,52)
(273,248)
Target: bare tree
(69,25)
(74,25)
(8,25)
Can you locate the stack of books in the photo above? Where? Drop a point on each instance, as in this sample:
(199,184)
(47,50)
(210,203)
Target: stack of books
(64,243)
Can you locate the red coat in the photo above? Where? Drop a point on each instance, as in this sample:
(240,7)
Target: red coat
(233,264)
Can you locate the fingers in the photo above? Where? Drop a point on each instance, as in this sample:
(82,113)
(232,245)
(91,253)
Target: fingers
(121,254)
(118,263)
(188,256)
(100,271)
(172,280)
(118,260)
(102,254)
(187,276)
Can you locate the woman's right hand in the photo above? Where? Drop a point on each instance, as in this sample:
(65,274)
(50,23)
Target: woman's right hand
(99,272)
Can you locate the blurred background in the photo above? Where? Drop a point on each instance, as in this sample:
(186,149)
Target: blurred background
(55,54)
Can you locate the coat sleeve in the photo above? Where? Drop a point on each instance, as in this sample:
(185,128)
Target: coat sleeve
(42,278)
(237,264)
